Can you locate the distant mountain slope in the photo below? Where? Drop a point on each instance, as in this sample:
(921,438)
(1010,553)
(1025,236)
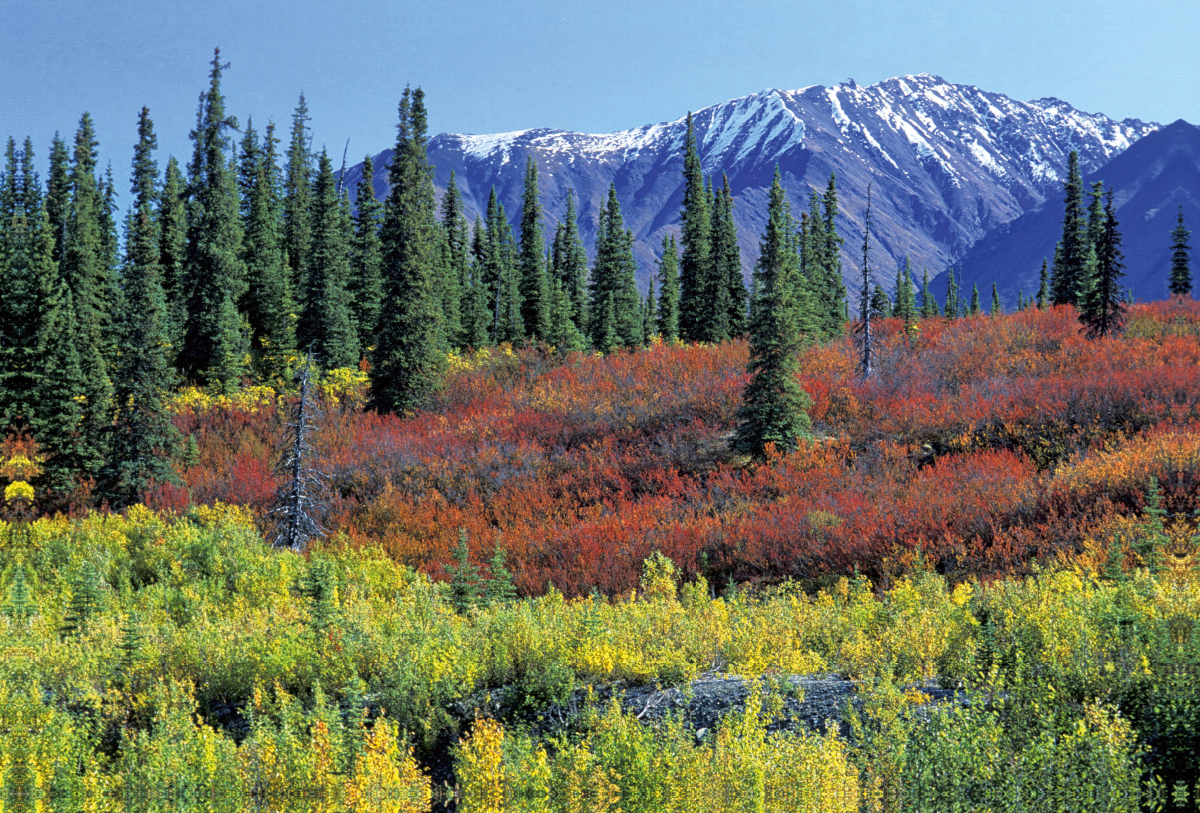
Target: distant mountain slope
(948,163)
(1150,181)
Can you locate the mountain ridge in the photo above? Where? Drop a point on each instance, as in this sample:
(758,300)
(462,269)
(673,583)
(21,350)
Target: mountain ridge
(947,162)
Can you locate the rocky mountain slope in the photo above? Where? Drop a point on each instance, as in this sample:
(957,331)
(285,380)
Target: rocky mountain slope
(1150,181)
(947,163)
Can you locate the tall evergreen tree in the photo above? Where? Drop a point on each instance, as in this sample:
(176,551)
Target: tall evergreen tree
(269,303)
(695,243)
(906,306)
(297,197)
(477,313)
(650,315)
(1181,259)
(570,262)
(1104,311)
(214,272)
(1067,275)
(975,306)
(535,293)
(612,286)
(85,264)
(327,324)
(410,354)
(668,298)
(1043,291)
(996,309)
(366,258)
(929,306)
(458,246)
(172,227)
(501,275)
(143,437)
(58,195)
(774,408)
(727,291)
(953,307)
(833,302)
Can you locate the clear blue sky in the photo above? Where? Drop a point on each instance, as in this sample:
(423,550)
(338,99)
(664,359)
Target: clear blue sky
(595,67)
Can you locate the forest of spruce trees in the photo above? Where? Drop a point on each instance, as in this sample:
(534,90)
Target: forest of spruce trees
(227,271)
(230,270)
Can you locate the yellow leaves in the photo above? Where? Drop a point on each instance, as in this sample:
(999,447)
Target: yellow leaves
(18,490)
(387,778)
(482,779)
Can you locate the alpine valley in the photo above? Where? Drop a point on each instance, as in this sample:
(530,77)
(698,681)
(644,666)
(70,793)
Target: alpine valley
(947,163)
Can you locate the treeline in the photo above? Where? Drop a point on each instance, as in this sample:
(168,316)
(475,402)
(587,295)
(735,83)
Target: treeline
(230,269)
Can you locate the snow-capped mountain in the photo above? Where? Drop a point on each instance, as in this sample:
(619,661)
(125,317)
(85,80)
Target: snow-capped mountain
(946,163)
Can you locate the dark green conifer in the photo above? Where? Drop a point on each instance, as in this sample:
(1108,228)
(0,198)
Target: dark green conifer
(833,303)
(996,309)
(464,576)
(326,325)
(269,303)
(667,325)
(477,313)
(570,263)
(1067,274)
(499,587)
(1153,539)
(454,222)
(58,195)
(535,294)
(612,282)
(865,310)
(214,272)
(564,335)
(952,305)
(906,306)
(144,440)
(1104,311)
(774,408)
(85,265)
(1181,258)
(649,315)
(501,275)
(297,198)
(366,258)
(929,306)
(410,355)
(1043,291)
(727,290)
(881,304)
(172,222)
(695,242)
(975,306)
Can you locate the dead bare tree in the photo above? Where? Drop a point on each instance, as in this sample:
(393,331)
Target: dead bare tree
(298,503)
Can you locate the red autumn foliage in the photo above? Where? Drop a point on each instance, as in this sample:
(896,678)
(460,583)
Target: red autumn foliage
(982,442)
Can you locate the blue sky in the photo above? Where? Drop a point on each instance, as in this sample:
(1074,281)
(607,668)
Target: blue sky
(594,67)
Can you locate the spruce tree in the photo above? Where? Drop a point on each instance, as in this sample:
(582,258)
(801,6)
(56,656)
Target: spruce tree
(410,354)
(996,309)
(667,325)
(85,263)
(905,307)
(727,291)
(269,303)
(881,305)
(327,325)
(1067,274)
(975,306)
(1104,311)
(454,223)
(1181,254)
(477,314)
(695,243)
(366,258)
(172,248)
(833,293)
(570,263)
(929,306)
(774,408)
(214,271)
(297,198)
(952,306)
(144,439)
(501,275)
(649,315)
(613,291)
(564,335)
(58,195)
(1043,291)
(535,293)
